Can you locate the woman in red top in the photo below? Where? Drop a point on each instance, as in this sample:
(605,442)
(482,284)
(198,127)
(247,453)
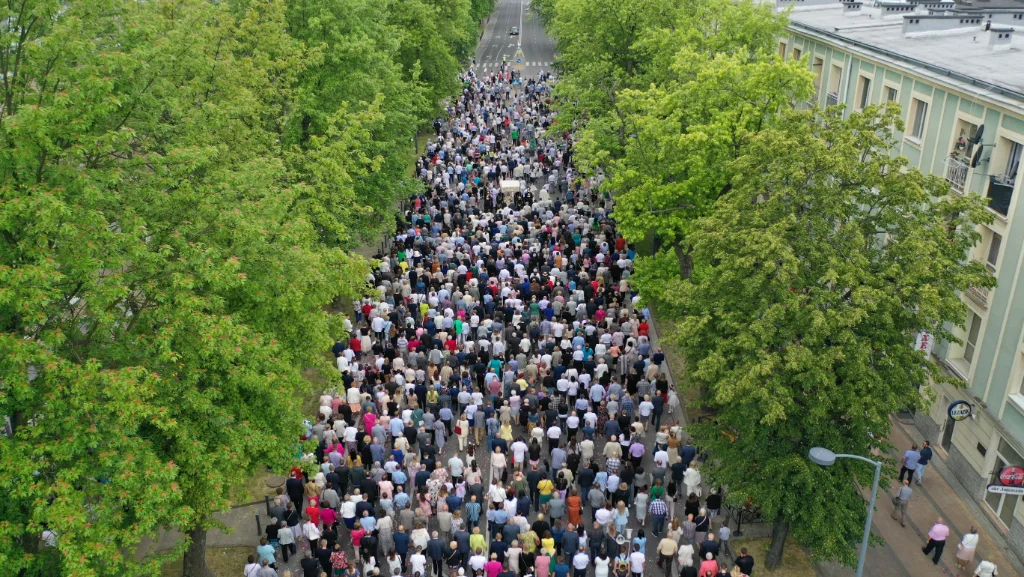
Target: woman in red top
(644,329)
(314,512)
(357,536)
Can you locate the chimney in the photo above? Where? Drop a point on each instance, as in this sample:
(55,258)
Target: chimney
(890,10)
(918,25)
(851,8)
(1000,38)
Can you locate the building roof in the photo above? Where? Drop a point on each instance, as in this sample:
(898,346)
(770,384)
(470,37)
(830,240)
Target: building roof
(947,43)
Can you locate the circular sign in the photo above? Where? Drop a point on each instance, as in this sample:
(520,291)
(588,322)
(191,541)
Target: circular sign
(1012,476)
(960,410)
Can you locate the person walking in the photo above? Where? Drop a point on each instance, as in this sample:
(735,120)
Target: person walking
(965,550)
(667,549)
(936,540)
(900,503)
(986,569)
(909,463)
(922,462)
(658,510)
(580,562)
(636,562)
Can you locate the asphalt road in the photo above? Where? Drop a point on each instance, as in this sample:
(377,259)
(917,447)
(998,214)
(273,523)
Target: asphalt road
(538,49)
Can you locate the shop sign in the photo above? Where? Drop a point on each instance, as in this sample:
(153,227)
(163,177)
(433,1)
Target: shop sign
(923,343)
(960,410)
(1012,476)
(1004,490)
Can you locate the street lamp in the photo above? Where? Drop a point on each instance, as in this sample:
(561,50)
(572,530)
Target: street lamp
(825,458)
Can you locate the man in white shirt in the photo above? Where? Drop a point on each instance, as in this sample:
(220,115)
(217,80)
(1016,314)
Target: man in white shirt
(418,562)
(554,434)
(580,562)
(636,561)
(477,561)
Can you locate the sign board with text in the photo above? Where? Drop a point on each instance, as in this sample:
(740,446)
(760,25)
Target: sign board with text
(1004,490)
(960,410)
(924,343)
(1012,476)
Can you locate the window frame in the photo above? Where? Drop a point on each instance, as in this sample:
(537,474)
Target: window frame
(968,328)
(864,82)
(916,102)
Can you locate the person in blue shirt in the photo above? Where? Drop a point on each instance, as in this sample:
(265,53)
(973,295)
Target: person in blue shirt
(473,512)
(401,499)
(399,477)
(500,519)
(561,569)
(454,502)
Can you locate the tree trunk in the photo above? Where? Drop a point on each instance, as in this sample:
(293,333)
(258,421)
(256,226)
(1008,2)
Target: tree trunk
(780,530)
(195,556)
(685,262)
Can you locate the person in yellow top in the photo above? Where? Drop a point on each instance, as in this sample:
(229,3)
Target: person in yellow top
(545,487)
(547,541)
(506,433)
(477,540)
(528,541)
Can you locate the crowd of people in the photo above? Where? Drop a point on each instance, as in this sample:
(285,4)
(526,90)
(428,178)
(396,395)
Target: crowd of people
(503,317)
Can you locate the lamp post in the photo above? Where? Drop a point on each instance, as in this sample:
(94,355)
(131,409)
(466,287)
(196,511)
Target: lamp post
(825,458)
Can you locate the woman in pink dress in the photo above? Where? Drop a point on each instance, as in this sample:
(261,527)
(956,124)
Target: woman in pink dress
(541,564)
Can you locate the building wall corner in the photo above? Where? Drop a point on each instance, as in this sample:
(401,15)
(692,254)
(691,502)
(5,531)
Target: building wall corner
(928,427)
(968,476)
(1016,538)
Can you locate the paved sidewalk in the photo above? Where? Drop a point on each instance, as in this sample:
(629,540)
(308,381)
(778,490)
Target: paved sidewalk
(941,495)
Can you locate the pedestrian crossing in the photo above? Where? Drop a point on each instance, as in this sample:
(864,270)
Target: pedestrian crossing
(532,64)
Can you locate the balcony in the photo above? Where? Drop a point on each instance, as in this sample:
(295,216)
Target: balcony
(956,173)
(1000,193)
(832,99)
(978,295)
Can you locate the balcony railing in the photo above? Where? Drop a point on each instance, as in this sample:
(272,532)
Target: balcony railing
(1000,193)
(832,99)
(956,173)
(978,295)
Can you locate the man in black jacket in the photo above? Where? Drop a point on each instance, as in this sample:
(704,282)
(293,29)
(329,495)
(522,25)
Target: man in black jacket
(532,480)
(295,489)
(745,562)
(435,552)
(310,566)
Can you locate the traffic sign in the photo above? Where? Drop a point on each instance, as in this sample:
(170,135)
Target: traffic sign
(519,60)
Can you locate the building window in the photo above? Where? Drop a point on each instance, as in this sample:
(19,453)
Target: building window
(863,92)
(971,342)
(1003,505)
(919,114)
(782,50)
(891,94)
(993,250)
(797,53)
(816,69)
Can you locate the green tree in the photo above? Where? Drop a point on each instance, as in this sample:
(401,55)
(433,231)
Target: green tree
(812,276)
(159,297)
(684,136)
(602,52)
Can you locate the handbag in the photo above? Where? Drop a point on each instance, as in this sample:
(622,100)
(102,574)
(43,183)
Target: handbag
(458,430)
(896,500)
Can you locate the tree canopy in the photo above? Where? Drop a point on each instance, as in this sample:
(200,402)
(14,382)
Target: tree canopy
(811,278)
(180,185)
